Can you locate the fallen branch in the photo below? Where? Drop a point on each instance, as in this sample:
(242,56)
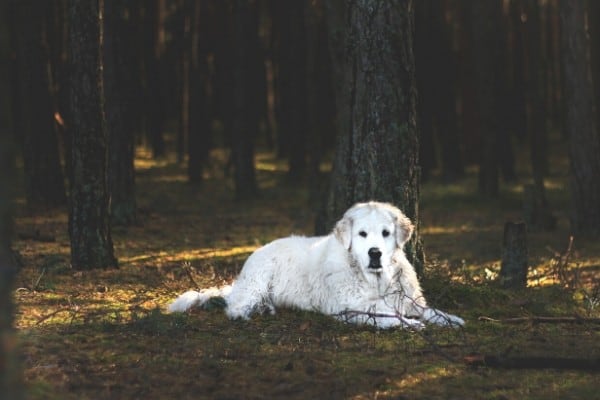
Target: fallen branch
(560,263)
(37,282)
(352,314)
(551,320)
(72,310)
(562,363)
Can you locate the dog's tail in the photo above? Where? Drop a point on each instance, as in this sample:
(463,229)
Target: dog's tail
(193,298)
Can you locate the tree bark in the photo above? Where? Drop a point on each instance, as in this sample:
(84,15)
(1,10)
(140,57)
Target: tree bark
(486,47)
(44,177)
(436,82)
(10,373)
(535,87)
(182,48)
(319,98)
(118,73)
(581,123)
(377,151)
(513,272)
(89,223)
(10,369)
(244,126)
(199,139)
(291,51)
(535,112)
(153,105)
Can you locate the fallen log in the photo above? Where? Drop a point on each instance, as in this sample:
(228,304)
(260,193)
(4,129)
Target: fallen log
(562,363)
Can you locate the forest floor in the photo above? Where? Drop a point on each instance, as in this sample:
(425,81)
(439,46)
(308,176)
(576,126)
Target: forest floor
(105,334)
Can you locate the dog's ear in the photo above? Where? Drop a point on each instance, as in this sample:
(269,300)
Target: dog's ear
(343,232)
(404,229)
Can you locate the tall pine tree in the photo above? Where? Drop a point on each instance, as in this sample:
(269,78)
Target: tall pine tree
(89,223)
(377,150)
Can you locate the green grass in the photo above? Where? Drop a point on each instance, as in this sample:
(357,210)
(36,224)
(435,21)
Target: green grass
(105,335)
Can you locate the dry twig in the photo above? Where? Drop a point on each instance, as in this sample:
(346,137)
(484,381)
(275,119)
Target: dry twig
(187,267)
(553,320)
(560,263)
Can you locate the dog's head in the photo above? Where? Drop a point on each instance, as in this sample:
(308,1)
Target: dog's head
(372,232)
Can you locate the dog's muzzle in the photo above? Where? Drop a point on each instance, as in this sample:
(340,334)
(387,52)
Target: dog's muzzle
(374,258)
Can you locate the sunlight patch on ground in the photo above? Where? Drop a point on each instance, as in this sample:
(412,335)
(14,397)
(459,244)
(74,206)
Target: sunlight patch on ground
(144,159)
(261,165)
(422,378)
(197,254)
(549,184)
(142,164)
(574,275)
(171,178)
(443,230)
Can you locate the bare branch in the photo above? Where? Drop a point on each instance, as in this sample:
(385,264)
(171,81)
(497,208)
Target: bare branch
(71,310)
(187,267)
(554,320)
(349,314)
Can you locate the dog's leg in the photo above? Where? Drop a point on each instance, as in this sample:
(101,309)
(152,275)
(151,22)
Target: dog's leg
(247,298)
(399,322)
(437,317)
(382,320)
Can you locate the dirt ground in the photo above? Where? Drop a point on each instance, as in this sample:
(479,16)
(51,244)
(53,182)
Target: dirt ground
(106,335)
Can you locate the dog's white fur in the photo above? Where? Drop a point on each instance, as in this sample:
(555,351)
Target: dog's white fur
(334,275)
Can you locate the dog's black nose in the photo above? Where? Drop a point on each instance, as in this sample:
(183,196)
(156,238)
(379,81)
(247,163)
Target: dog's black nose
(374,253)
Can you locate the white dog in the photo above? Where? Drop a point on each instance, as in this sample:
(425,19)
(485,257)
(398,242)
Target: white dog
(358,273)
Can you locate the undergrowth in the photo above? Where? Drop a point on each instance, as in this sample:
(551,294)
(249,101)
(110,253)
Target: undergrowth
(105,334)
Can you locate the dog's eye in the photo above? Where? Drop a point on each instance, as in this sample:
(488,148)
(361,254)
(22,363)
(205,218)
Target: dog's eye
(363,234)
(385,233)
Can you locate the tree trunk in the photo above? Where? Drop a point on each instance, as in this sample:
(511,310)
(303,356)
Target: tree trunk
(89,224)
(468,123)
(319,98)
(513,272)
(533,74)
(536,88)
(118,72)
(199,140)
(45,184)
(377,151)
(556,110)
(486,45)
(581,123)
(290,51)
(10,369)
(222,47)
(593,18)
(182,49)
(244,126)
(57,35)
(10,374)
(436,77)
(153,109)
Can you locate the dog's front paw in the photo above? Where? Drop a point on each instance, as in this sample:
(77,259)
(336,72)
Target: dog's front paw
(437,317)
(411,323)
(454,320)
